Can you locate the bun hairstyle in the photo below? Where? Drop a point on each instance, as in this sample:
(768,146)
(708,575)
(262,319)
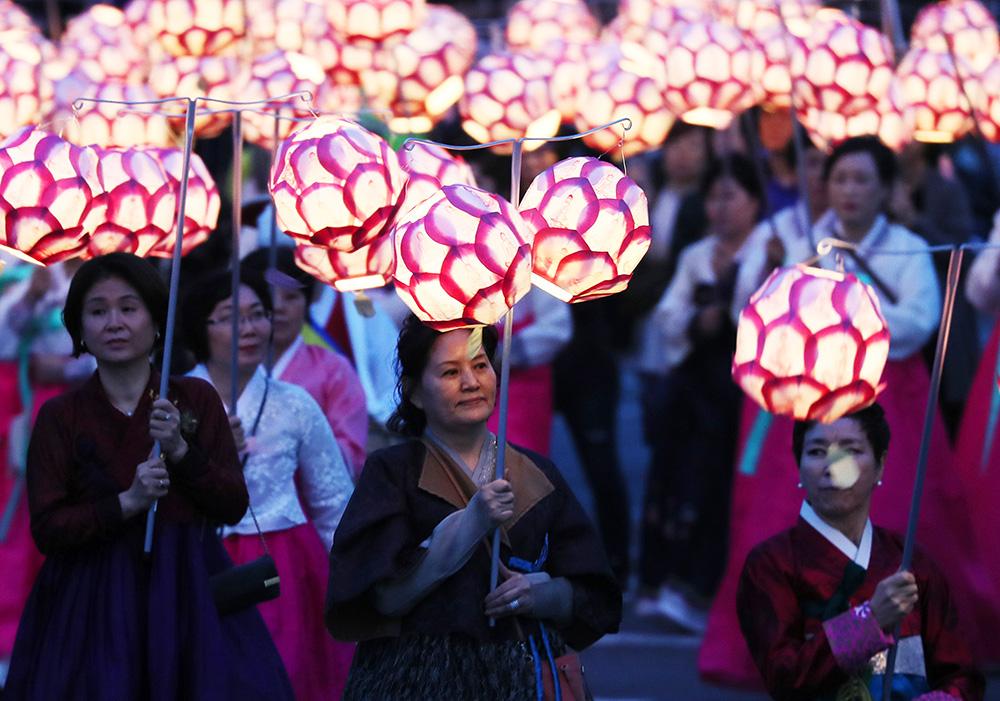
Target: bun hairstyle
(872,421)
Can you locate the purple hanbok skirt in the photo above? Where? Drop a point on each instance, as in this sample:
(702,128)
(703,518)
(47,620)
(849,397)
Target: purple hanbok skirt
(103,623)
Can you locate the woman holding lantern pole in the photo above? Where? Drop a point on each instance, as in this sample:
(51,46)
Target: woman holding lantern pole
(859,174)
(296,474)
(410,566)
(102,621)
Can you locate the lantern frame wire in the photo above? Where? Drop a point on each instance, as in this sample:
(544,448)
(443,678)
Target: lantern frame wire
(517,146)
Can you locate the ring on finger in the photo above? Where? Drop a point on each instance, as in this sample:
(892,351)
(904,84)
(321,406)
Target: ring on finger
(514,605)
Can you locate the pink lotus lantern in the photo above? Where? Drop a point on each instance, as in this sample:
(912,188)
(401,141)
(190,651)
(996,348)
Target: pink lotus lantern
(301,26)
(218,77)
(562,63)
(507,97)
(533,24)
(624,81)
(963,26)
(47,192)
(776,77)
(989,107)
(101,44)
(13,17)
(934,90)
(197,27)
(136,15)
(891,121)
(280,73)
(755,16)
(811,344)
(138,205)
(636,14)
(369,266)
(201,208)
(591,229)
(428,169)
(375,20)
(428,65)
(841,66)
(711,68)
(462,258)
(335,184)
(25,90)
(111,125)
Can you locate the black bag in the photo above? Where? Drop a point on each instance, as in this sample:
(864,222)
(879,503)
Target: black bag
(243,586)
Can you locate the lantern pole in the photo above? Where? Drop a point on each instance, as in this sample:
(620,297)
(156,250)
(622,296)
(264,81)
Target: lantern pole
(234,262)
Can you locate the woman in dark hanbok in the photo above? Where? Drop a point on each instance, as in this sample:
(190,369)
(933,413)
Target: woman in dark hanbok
(410,566)
(103,621)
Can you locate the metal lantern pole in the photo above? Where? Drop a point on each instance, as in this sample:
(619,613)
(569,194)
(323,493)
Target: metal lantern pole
(234,262)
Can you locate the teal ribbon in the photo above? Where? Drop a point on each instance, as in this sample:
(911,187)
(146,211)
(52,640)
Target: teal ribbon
(755,442)
(991,421)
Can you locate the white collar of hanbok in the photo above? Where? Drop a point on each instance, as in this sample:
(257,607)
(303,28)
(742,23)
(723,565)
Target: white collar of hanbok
(286,358)
(250,396)
(828,225)
(858,554)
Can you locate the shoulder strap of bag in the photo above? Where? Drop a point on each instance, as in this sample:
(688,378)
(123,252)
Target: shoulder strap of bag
(253,431)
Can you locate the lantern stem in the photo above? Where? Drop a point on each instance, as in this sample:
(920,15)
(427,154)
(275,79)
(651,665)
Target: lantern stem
(272,244)
(892,25)
(508,332)
(175,278)
(235,258)
(940,351)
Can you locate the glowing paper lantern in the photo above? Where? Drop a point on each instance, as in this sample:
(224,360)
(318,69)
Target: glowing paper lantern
(201,208)
(624,81)
(375,19)
(335,184)
(507,97)
(369,266)
(462,258)
(563,62)
(989,106)
(13,17)
(197,27)
(428,65)
(754,16)
(532,24)
(964,25)
(25,90)
(136,15)
(775,80)
(137,207)
(218,77)
(428,169)
(711,69)
(101,44)
(280,73)
(891,121)
(811,344)
(111,125)
(590,228)
(47,192)
(642,13)
(934,91)
(841,66)
(294,25)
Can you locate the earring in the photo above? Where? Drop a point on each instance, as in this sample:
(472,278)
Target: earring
(83,346)
(799,485)
(879,483)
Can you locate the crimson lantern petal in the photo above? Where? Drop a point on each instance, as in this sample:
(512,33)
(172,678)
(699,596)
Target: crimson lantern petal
(111,125)
(936,87)
(196,27)
(26,91)
(963,26)
(429,168)
(201,207)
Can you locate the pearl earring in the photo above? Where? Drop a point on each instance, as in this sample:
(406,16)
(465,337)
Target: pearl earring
(799,485)
(879,483)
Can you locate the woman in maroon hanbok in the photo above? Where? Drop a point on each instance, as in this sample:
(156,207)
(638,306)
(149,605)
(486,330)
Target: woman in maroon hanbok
(103,622)
(819,603)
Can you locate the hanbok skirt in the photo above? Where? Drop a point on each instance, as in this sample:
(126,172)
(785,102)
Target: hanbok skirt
(102,623)
(529,419)
(316,663)
(766,501)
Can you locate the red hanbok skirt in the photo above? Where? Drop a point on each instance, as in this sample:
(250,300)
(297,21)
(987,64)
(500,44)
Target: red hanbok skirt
(767,502)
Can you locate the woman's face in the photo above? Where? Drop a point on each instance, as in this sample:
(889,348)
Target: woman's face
(255,327)
(731,210)
(838,468)
(289,315)
(456,391)
(117,327)
(856,194)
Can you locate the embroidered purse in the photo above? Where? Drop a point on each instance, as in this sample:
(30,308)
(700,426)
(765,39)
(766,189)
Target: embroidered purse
(242,586)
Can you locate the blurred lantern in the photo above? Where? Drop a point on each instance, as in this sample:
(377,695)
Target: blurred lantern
(101,44)
(507,97)
(428,65)
(428,169)
(775,44)
(25,90)
(13,17)
(137,208)
(532,24)
(47,192)
(624,81)
(375,20)
(136,15)
(636,14)
(196,27)
(963,26)
(989,107)
(335,184)
(281,73)
(590,228)
(937,94)
(811,344)
(369,266)
(112,125)
(891,121)
(711,68)
(201,207)
(841,66)
(755,16)
(294,25)
(218,77)
(462,258)
(563,62)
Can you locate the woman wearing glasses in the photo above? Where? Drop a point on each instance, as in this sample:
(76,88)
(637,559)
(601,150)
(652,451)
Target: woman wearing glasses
(295,473)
